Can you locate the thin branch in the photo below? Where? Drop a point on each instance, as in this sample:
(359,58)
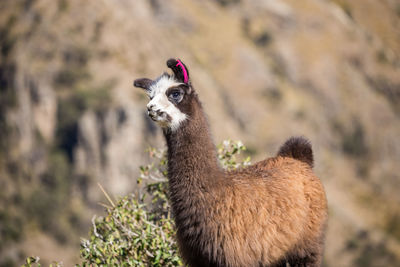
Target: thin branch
(107,196)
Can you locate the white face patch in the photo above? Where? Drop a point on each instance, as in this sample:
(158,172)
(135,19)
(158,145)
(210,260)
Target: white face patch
(160,109)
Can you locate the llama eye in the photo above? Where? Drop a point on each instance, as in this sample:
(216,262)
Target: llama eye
(175,96)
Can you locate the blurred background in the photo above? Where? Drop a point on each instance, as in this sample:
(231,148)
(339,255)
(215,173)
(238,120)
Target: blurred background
(264,69)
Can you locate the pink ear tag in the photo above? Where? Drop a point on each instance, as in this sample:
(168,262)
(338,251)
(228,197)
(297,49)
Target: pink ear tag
(185,76)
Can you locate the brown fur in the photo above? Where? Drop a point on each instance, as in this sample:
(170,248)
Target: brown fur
(268,214)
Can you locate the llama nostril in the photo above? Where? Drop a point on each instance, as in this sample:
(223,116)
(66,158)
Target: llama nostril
(149,108)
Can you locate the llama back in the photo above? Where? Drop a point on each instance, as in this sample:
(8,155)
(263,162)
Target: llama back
(284,205)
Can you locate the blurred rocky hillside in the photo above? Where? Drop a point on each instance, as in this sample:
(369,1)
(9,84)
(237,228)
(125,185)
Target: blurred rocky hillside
(264,69)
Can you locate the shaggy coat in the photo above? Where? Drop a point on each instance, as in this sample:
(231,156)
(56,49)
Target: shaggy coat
(268,214)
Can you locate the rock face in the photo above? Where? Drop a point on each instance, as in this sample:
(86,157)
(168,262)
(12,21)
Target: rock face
(265,70)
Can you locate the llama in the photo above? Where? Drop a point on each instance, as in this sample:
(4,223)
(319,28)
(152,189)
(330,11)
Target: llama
(268,214)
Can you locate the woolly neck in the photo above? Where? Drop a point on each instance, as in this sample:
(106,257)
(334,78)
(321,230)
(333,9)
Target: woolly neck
(192,155)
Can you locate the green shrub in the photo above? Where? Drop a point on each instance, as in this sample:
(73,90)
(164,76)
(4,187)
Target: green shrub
(35,262)
(130,236)
(228,152)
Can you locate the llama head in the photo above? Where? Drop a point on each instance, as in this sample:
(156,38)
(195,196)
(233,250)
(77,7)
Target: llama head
(169,95)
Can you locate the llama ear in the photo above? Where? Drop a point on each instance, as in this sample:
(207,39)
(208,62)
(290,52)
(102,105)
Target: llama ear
(181,72)
(143,83)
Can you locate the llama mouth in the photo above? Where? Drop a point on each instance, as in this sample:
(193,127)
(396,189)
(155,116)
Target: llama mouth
(155,117)
(152,116)
(159,116)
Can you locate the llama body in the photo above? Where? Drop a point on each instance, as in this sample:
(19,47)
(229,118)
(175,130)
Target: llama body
(267,214)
